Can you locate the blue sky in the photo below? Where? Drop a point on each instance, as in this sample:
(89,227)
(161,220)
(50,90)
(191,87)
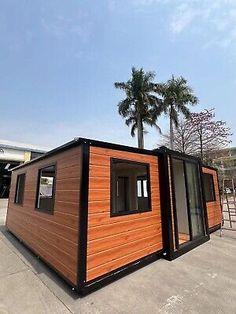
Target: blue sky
(59,60)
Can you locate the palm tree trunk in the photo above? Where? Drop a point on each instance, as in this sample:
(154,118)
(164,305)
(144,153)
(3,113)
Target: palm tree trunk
(140,132)
(171,133)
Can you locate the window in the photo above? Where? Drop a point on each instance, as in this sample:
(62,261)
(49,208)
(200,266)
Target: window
(20,187)
(130,187)
(46,189)
(209,187)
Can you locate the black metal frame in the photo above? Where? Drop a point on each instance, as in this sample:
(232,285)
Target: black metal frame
(203,199)
(49,211)
(118,273)
(194,242)
(219,191)
(214,228)
(17,182)
(165,197)
(112,162)
(213,187)
(83,219)
(176,233)
(80,140)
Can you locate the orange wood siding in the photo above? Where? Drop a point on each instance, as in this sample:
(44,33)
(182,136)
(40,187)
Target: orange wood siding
(213,208)
(116,241)
(53,237)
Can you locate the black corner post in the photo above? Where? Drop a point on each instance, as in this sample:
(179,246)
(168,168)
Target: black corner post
(164,184)
(83,218)
(220,193)
(204,199)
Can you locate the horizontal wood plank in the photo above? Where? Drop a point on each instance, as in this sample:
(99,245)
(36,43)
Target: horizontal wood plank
(214,208)
(43,252)
(102,244)
(116,241)
(121,227)
(52,236)
(94,260)
(124,260)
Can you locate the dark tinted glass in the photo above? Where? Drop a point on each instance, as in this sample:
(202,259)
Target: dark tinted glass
(20,187)
(130,187)
(45,199)
(209,187)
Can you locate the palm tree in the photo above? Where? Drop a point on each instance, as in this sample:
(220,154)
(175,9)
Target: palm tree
(177,96)
(140,106)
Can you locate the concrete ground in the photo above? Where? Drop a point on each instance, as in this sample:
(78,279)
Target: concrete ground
(201,281)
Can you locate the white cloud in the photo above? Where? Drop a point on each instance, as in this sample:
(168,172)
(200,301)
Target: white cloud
(183,16)
(211,18)
(214,20)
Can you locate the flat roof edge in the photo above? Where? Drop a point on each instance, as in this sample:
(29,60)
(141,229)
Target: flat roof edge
(91,142)
(179,154)
(96,143)
(121,147)
(50,153)
(209,167)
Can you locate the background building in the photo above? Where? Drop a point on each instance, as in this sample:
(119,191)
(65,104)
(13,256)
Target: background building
(225,162)
(12,154)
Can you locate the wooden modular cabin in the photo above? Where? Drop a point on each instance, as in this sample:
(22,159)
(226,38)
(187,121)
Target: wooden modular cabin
(94,211)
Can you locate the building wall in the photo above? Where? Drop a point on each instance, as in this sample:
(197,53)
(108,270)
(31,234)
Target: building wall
(12,154)
(116,241)
(52,237)
(213,208)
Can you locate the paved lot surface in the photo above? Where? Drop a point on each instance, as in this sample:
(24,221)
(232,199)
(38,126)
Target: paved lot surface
(201,281)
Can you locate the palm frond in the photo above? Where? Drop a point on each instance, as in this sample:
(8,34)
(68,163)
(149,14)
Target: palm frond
(121,85)
(177,97)
(124,106)
(141,100)
(133,129)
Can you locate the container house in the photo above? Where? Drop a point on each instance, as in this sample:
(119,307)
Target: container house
(95,211)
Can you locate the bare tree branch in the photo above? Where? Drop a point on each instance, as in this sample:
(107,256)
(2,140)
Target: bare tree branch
(200,135)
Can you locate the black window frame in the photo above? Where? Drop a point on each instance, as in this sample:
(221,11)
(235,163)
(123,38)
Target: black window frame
(205,174)
(48,211)
(136,211)
(23,193)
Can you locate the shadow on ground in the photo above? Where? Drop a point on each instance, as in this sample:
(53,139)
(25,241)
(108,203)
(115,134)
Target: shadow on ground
(35,263)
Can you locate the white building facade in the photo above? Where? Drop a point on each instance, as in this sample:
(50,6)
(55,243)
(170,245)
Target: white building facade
(11,155)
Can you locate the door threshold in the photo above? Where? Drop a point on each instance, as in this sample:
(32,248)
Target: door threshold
(188,246)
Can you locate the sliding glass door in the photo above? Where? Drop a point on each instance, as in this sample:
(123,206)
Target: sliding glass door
(188,205)
(181,207)
(195,200)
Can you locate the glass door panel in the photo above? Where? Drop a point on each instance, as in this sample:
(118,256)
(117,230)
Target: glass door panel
(194,198)
(180,201)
